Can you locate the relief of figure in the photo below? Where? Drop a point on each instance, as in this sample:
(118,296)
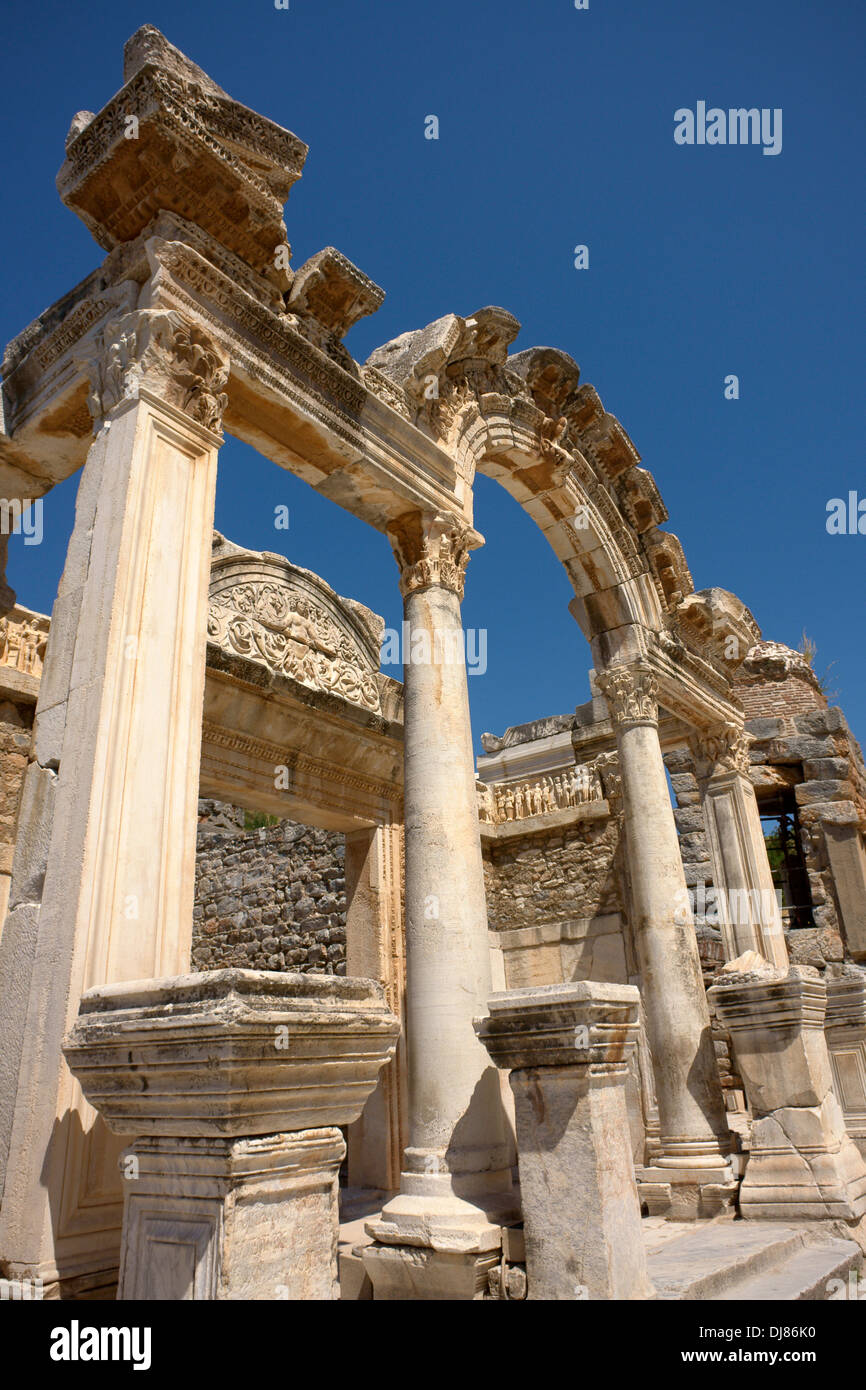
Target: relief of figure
(509,804)
(546,796)
(486,811)
(537,804)
(518,804)
(29,648)
(596,789)
(583,789)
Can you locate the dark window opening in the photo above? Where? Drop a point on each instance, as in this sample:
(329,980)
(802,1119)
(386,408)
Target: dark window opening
(781,826)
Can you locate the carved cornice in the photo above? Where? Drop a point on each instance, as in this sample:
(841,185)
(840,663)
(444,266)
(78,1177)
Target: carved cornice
(432,550)
(176,360)
(631,693)
(722,749)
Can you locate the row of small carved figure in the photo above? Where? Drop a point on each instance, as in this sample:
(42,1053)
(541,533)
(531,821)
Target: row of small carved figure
(554,793)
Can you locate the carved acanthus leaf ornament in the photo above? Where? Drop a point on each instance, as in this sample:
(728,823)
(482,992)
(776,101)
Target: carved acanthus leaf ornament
(158,349)
(631,693)
(432,550)
(722,749)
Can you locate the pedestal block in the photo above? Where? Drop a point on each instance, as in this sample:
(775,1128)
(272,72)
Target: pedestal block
(235,1082)
(566,1047)
(802,1162)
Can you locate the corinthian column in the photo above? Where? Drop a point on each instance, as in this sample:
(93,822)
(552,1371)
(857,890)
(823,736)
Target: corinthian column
(103,879)
(694,1135)
(455,1186)
(749,915)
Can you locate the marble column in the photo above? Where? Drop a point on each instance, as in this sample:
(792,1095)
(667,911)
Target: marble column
(455,1187)
(749,914)
(694,1136)
(103,879)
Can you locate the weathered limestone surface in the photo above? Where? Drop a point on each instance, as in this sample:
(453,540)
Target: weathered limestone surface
(749,914)
(566,1048)
(235,1082)
(802,1162)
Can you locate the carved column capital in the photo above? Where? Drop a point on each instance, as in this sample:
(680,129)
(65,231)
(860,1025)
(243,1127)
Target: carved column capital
(631,693)
(157,349)
(721,749)
(432,549)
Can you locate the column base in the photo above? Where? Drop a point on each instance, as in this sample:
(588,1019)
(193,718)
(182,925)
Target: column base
(411,1272)
(427,1214)
(688,1194)
(225,1219)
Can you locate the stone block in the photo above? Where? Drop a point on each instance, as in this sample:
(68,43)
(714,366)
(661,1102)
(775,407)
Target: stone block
(809,793)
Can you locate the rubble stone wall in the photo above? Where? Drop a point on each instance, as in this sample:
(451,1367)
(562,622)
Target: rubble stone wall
(556,877)
(271,898)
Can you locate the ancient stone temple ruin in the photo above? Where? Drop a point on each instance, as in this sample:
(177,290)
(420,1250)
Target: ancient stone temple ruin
(296,1000)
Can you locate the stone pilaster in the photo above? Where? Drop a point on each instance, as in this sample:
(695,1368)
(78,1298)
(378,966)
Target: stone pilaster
(566,1047)
(749,915)
(691,1173)
(802,1163)
(845,1031)
(235,1082)
(107,892)
(455,1187)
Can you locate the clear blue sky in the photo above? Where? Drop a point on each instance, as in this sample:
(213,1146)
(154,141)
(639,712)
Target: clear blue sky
(556,129)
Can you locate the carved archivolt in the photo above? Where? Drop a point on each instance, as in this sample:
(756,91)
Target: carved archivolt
(282,622)
(631,693)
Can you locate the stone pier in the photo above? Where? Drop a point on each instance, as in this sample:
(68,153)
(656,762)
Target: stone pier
(105,889)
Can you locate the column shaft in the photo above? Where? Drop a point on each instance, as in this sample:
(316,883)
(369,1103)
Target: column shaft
(691,1112)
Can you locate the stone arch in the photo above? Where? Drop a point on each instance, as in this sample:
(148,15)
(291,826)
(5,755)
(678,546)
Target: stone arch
(525,420)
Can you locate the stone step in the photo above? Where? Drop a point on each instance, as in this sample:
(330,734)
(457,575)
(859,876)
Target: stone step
(805,1274)
(708,1259)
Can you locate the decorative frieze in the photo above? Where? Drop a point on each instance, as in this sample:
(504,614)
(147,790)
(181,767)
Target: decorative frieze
(23,640)
(512,801)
